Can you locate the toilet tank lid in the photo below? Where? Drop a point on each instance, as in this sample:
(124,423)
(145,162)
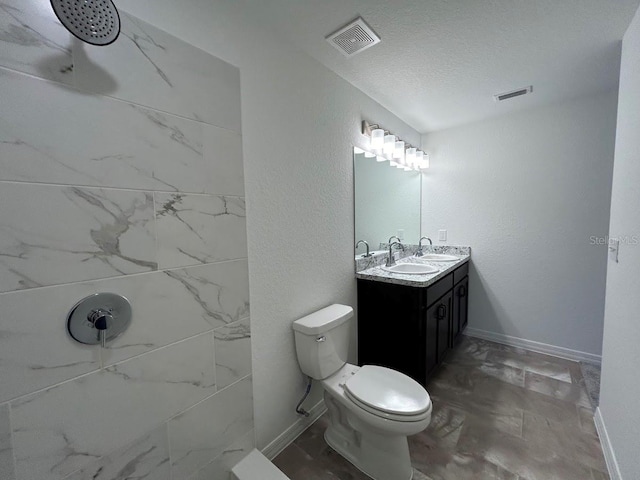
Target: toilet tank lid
(323,320)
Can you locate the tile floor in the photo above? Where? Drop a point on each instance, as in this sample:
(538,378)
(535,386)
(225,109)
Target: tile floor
(498,413)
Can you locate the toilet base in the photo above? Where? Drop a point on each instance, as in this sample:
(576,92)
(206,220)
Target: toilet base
(378,455)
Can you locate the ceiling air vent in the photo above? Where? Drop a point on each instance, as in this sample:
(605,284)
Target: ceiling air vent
(501,97)
(353,38)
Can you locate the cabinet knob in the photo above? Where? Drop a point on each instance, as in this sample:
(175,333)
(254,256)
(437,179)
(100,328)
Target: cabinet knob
(462,291)
(441,312)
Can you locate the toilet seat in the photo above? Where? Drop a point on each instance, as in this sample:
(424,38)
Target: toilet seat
(389,394)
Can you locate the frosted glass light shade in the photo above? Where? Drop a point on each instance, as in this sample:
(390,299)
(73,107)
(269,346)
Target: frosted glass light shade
(389,144)
(377,138)
(369,154)
(410,157)
(380,158)
(398,151)
(419,158)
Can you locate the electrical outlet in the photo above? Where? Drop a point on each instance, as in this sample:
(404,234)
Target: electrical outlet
(442,235)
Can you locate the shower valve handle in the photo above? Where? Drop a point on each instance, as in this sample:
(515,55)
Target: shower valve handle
(101,319)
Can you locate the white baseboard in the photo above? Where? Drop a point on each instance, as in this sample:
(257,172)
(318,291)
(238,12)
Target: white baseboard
(553,350)
(607,449)
(283,440)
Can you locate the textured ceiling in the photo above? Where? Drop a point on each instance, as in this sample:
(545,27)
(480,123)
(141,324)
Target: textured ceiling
(440,61)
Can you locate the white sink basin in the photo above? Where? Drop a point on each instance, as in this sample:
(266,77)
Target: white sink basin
(439,257)
(411,268)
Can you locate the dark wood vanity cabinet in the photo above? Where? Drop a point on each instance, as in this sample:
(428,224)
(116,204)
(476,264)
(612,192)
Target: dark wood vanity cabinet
(411,329)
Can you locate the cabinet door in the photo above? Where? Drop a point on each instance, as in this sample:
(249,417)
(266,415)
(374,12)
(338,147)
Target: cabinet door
(444,316)
(390,327)
(462,292)
(460,308)
(431,338)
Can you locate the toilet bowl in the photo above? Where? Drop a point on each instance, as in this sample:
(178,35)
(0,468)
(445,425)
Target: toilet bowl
(372,409)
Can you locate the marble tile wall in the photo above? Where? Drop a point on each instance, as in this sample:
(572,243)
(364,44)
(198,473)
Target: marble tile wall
(120,171)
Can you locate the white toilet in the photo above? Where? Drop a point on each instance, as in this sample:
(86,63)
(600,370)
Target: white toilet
(372,409)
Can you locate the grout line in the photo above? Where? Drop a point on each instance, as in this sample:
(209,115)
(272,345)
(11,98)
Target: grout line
(75,88)
(13,450)
(230,324)
(166,428)
(155,227)
(211,396)
(106,367)
(119,189)
(130,275)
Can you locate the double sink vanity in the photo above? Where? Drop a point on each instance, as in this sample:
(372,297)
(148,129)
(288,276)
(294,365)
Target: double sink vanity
(412,310)
(408,320)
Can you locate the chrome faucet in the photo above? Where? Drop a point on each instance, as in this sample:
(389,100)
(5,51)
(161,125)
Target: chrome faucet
(419,253)
(392,237)
(392,261)
(366,255)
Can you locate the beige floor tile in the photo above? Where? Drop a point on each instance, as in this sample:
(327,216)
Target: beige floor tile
(569,392)
(569,442)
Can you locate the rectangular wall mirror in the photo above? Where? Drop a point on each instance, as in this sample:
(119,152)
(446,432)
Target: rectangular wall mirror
(387,202)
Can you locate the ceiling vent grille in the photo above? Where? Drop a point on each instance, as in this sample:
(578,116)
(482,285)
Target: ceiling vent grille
(501,97)
(353,38)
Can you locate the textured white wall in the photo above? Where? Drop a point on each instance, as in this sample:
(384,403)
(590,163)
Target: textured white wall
(299,123)
(386,199)
(527,191)
(620,388)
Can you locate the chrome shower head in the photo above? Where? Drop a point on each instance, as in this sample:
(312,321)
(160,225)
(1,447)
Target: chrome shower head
(93,21)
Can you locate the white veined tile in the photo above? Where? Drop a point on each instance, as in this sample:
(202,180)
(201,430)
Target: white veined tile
(52,235)
(147,457)
(65,428)
(204,432)
(233,352)
(171,305)
(150,67)
(222,289)
(195,229)
(53,134)
(32,40)
(35,350)
(221,466)
(7,468)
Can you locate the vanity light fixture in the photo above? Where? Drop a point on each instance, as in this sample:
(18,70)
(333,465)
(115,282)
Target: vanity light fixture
(398,151)
(386,146)
(425,161)
(410,157)
(389,144)
(377,139)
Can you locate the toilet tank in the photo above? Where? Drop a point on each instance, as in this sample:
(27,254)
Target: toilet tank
(322,340)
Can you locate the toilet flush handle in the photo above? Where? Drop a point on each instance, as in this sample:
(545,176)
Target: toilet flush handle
(321,338)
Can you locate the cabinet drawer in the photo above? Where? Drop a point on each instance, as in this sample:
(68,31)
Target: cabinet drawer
(438,289)
(460,272)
